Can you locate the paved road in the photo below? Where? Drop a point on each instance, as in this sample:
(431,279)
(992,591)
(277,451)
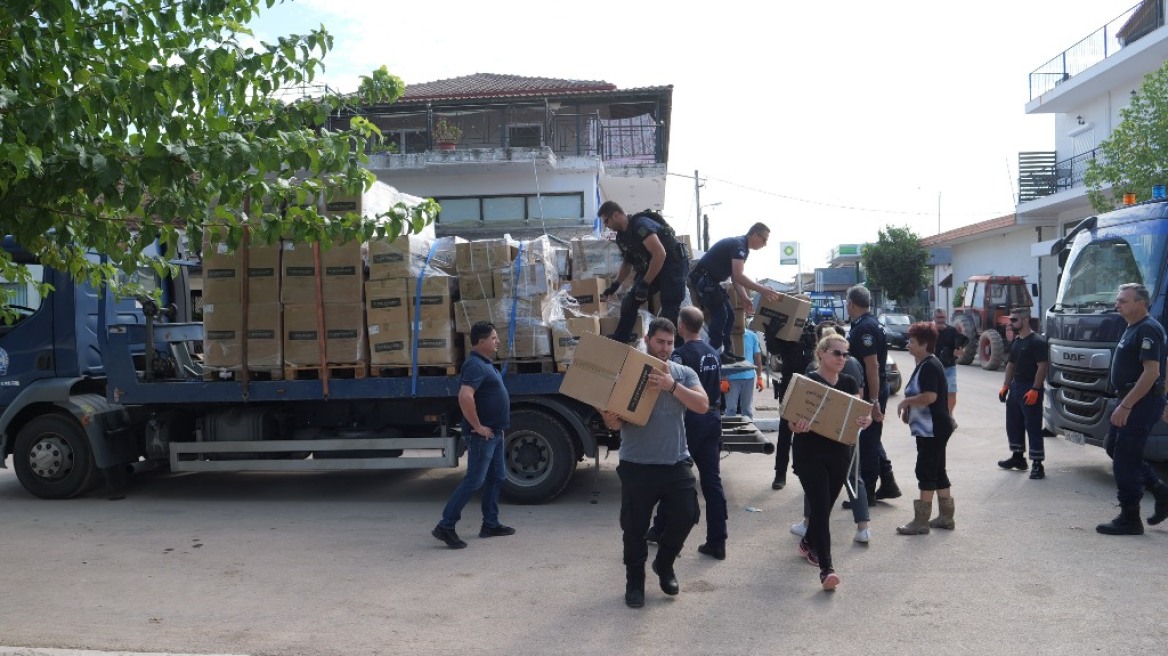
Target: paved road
(344,564)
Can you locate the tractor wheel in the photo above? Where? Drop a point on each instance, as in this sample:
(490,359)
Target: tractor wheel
(965,324)
(991,350)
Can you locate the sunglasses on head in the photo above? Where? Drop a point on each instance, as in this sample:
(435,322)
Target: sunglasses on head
(837,353)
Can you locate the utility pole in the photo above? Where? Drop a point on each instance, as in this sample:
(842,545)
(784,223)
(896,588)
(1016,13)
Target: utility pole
(705,235)
(697,201)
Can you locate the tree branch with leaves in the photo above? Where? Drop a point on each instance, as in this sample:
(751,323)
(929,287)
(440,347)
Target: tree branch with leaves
(896,263)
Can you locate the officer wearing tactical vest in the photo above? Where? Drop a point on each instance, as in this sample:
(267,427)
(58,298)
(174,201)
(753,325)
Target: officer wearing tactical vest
(648,248)
(1137,376)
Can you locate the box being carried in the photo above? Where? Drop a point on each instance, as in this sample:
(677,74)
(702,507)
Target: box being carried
(833,414)
(783,318)
(613,377)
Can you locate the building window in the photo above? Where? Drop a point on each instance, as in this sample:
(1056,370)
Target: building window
(459,210)
(504,208)
(568,206)
(525,136)
(516,208)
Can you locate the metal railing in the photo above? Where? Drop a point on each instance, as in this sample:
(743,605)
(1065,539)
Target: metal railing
(1122,31)
(1039,175)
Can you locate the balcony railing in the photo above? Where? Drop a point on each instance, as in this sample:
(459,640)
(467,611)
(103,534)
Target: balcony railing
(1124,30)
(1040,174)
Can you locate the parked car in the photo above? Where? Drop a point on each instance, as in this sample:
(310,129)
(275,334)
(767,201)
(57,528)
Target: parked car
(892,373)
(896,328)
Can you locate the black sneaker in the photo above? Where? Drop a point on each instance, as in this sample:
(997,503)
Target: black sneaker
(448,536)
(780,482)
(1037,472)
(652,535)
(495,531)
(728,358)
(1015,461)
(713,552)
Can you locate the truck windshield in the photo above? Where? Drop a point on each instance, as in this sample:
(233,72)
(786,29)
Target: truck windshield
(1098,266)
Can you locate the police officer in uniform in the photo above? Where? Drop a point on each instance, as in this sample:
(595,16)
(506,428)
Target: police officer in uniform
(703,432)
(650,250)
(1137,376)
(725,261)
(1022,393)
(866,343)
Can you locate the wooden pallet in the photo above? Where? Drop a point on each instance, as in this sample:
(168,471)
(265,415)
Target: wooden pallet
(397,371)
(532,366)
(335,371)
(221,375)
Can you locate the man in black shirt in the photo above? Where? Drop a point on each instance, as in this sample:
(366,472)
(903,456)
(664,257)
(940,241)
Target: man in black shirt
(725,261)
(651,251)
(950,344)
(1022,393)
(867,343)
(1137,376)
(703,432)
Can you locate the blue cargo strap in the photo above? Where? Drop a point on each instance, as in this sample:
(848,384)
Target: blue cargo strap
(514,304)
(418,321)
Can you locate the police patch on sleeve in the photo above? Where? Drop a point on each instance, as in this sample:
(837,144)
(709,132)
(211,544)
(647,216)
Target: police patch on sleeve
(642,232)
(867,339)
(1147,344)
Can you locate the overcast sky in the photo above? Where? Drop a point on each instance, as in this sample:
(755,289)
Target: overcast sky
(825,120)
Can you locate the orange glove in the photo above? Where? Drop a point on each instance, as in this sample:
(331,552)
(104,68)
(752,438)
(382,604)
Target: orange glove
(1003,393)
(725,386)
(760,384)
(1031,397)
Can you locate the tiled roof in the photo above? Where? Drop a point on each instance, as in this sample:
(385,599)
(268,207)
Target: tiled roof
(491,85)
(964,232)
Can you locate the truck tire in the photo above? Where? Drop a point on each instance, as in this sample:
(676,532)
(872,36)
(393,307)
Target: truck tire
(539,457)
(991,350)
(52,458)
(966,325)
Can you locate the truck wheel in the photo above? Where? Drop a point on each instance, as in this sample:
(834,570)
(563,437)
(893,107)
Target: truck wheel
(991,350)
(52,458)
(963,322)
(539,457)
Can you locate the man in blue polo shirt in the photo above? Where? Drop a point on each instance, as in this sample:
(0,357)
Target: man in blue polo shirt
(486,413)
(725,261)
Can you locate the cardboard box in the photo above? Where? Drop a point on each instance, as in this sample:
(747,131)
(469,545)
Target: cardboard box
(476,286)
(222,274)
(344,325)
(833,414)
(595,258)
(566,336)
(483,255)
(532,280)
(532,341)
(587,293)
(608,326)
(436,303)
(580,325)
(386,301)
(343,273)
(499,311)
(223,328)
(611,376)
(263,273)
(783,318)
(392,344)
(400,258)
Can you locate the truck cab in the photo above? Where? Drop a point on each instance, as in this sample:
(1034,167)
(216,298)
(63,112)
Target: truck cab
(1127,245)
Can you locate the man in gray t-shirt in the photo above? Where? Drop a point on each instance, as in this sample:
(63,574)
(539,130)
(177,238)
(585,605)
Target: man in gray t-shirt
(655,469)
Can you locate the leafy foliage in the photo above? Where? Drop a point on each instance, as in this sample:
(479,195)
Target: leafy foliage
(127,121)
(1135,157)
(896,263)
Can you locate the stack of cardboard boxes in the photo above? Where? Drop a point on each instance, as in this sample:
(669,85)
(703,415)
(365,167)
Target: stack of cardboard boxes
(342,276)
(225,277)
(410,305)
(508,284)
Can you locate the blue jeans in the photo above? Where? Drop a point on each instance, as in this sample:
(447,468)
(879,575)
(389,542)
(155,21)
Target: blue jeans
(740,398)
(1024,421)
(484,469)
(1126,448)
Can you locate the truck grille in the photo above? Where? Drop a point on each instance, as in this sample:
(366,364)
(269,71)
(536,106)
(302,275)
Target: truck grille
(1082,379)
(1093,380)
(1087,406)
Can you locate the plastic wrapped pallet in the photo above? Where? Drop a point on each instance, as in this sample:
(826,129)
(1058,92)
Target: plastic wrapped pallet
(595,258)
(531,341)
(406,256)
(500,311)
(525,280)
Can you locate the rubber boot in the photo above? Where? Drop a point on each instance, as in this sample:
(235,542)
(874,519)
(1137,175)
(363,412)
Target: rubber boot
(1127,522)
(944,514)
(635,585)
(920,523)
(1160,493)
(663,567)
(888,488)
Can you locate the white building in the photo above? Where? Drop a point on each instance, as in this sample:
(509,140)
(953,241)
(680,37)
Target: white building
(1085,87)
(533,155)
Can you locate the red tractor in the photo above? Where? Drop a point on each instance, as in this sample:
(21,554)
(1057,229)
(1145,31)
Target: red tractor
(984,317)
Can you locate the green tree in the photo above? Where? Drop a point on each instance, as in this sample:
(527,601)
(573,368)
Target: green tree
(896,263)
(122,122)
(1135,157)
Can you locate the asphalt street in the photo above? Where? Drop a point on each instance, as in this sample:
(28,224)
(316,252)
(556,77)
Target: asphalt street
(343,563)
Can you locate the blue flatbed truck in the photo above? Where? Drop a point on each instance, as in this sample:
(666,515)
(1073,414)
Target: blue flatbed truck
(93,387)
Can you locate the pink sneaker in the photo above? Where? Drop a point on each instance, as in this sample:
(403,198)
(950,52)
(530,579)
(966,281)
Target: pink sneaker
(829,579)
(807,552)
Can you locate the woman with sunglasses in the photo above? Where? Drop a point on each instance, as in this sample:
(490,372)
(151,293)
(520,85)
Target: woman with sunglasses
(925,409)
(822,463)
